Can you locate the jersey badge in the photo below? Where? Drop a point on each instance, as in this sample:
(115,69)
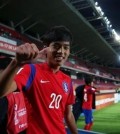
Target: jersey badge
(65,87)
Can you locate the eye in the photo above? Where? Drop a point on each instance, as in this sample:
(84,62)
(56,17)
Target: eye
(66,47)
(56,45)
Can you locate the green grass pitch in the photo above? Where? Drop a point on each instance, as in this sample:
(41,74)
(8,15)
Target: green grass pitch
(106,120)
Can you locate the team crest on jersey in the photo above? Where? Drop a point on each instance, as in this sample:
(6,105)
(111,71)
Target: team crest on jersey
(65,87)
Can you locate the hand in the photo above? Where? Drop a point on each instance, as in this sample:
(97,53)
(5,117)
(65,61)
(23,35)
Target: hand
(42,53)
(26,53)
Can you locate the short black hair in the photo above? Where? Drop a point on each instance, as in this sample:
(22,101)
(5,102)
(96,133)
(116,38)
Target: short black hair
(57,33)
(4,62)
(88,80)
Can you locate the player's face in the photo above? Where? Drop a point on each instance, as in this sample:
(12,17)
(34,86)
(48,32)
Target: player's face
(58,52)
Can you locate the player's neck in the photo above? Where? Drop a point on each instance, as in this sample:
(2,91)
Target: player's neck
(54,68)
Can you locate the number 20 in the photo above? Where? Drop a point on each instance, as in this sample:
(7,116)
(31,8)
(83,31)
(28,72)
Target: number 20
(55,103)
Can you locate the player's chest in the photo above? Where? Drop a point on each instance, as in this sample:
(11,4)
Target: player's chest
(48,82)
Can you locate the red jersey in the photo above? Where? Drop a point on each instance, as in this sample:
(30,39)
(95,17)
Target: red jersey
(17,114)
(88,97)
(48,95)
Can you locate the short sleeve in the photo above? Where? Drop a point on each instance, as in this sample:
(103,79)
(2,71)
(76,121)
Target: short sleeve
(22,76)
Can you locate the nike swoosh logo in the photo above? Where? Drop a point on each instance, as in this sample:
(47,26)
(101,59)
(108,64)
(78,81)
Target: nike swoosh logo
(43,81)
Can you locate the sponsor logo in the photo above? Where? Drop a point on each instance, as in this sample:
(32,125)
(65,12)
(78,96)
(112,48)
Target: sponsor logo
(44,81)
(18,114)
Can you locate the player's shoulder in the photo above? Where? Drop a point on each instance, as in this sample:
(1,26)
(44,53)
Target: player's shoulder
(41,66)
(24,69)
(27,66)
(65,76)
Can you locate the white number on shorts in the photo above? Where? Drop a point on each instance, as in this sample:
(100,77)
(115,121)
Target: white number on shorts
(55,103)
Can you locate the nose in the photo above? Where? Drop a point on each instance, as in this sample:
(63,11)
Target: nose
(61,49)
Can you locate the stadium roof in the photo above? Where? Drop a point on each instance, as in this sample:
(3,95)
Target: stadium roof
(35,17)
(111,9)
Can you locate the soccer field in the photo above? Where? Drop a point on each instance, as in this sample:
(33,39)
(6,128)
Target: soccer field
(106,120)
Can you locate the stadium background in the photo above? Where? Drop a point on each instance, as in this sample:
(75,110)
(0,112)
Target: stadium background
(94,50)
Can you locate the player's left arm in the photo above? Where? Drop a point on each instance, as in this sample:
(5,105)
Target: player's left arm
(94,89)
(69,118)
(98,91)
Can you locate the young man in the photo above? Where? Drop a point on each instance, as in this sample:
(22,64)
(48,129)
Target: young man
(13,114)
(48,90)
(89,91)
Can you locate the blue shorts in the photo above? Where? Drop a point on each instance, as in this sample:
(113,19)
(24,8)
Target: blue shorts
(88,116)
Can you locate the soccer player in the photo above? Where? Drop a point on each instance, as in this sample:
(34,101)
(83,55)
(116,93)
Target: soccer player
(48,90)
(13,114)
(89,91)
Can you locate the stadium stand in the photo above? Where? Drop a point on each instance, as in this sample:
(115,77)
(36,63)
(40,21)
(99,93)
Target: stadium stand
(74,64)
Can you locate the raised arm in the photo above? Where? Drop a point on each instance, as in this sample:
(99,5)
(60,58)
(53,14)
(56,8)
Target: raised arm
(24,54)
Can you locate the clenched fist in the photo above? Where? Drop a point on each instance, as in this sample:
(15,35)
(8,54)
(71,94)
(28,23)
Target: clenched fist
(27,52)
